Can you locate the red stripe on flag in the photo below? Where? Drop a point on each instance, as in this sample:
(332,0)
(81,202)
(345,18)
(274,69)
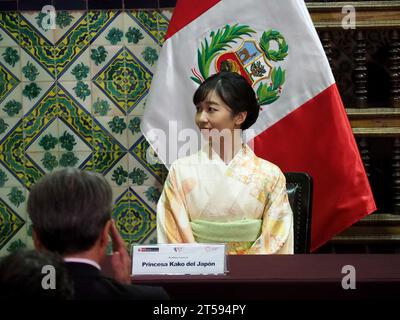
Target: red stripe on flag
(185,12)
(317,138)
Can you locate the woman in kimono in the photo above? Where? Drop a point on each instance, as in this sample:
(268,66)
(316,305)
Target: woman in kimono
(226,195)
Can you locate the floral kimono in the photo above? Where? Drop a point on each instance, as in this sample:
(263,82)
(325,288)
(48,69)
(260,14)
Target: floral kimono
(243,204)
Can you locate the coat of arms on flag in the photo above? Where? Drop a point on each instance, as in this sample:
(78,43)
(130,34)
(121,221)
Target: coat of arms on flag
(232,48)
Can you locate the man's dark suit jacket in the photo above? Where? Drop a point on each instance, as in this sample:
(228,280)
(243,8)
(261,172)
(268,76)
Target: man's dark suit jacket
(90,283)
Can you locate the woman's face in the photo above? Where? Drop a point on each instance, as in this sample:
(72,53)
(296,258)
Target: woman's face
(213,113)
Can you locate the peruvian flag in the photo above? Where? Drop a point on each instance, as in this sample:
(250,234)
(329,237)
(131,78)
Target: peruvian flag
(303,125)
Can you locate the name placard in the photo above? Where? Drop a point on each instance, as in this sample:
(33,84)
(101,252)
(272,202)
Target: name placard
(179,259)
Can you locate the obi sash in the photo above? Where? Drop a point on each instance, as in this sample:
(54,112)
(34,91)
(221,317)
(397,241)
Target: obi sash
(238,235)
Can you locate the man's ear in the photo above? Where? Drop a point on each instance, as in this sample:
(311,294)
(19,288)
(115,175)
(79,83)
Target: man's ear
(38,245)
(105,234)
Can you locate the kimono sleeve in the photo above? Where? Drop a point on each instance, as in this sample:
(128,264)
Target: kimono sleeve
(173,225)
(277,227)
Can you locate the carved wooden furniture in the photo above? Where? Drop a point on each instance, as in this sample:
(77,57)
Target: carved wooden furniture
(366,65)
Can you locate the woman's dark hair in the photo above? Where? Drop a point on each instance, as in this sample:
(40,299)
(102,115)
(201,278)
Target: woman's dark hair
(69,209)
(235,92)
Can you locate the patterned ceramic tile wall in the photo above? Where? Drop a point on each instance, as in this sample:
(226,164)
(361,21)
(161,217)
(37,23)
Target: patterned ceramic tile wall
(75,96)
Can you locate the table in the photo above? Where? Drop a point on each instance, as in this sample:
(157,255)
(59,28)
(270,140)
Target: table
(282,277)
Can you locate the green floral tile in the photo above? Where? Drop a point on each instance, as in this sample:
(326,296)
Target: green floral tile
(68,140)
(105,57)
(77,159)
(147,55)
(140,175)
(43,106)
(10,60)
(114,35)
(118,175)
(47,161)
(112,26)
(35,92)
(76,70)
(133,125)
(43,60)
(150,194)
(137,176)
(76,133)
(68,159)
(80,71)
(133,35)
(80,91)
(98,55)
(103,105)
(150,56)
(32,90)
(12,108)
(7,178)
(30,71)
(16,198)
(64,20)
(11,104)
(117,127)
